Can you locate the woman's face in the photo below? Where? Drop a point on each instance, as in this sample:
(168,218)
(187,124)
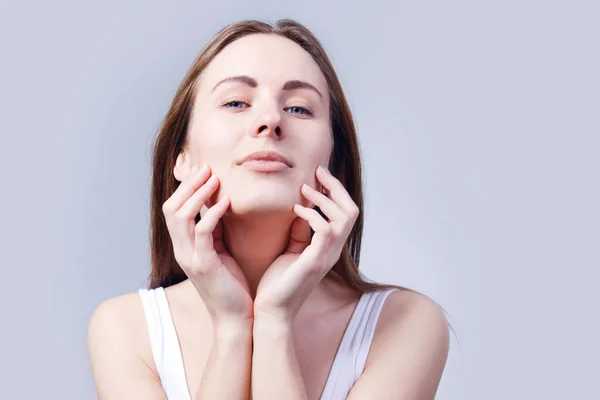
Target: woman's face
(280,104)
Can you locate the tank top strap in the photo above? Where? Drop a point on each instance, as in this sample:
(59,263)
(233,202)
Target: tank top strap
(366,329)
(164,343)
(350,359)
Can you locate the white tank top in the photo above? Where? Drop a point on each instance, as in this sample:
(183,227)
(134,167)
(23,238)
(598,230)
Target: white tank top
(347,366)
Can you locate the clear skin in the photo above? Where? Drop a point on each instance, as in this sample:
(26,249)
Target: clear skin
(248,215)
(252,260)
(251,257)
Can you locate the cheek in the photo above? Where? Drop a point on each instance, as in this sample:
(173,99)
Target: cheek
(215,143)
(319,150)
(316,152)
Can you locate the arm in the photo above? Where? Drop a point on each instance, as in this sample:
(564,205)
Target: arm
(406,363)
(289,280)
(275,369)
(412,349)
(227,371)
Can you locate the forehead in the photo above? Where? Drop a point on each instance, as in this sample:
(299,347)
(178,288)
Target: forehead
(270,59)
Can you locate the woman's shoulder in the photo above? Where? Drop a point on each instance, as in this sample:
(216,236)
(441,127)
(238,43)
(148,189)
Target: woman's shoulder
(120,317)
(405,303)
(121,320)
(125,313)
(117,335)
(408,318)
(120,314)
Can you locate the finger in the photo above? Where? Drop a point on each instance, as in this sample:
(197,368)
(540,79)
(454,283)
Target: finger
(322,229)
(192,206)
(203,231)
(218,242)
(299,236)
(180,222)
(186,188)
(337,192)
(329,208)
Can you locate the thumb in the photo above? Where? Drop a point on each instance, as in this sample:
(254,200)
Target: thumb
(300,235)
(218,236)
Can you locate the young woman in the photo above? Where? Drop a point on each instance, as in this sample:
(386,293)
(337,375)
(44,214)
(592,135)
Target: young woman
(255,290)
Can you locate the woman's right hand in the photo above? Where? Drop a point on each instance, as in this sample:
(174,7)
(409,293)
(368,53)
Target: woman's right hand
(200,251)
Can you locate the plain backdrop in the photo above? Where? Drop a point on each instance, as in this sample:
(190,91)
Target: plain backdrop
(478,122)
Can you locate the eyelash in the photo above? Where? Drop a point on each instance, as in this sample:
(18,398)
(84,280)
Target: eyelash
(307,111)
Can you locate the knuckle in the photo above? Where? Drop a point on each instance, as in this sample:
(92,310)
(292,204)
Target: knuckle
(314,270)
(180,217)
(167,208)
(203,266)
(201,269)
(181,260)
(200,228)
(338,230)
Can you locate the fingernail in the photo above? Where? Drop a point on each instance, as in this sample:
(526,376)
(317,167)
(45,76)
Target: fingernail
(202,169)
(323,169)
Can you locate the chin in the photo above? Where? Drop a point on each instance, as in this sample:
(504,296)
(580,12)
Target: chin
(261,204)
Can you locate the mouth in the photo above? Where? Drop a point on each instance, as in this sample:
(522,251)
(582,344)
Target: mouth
(264,165)
(266,161)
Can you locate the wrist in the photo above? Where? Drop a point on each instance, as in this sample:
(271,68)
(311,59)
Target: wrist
(233,331)
(272,326)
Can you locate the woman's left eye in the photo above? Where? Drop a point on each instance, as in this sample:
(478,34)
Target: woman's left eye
(306,110)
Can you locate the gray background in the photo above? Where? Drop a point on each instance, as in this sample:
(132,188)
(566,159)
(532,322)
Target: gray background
(479,125)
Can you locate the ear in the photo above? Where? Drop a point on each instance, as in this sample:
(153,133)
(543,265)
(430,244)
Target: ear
(183,166)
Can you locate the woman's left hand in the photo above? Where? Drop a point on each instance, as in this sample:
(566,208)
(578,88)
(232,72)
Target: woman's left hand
(295,274)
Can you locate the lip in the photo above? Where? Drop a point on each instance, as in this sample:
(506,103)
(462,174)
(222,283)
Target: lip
(265,165)
(265,157)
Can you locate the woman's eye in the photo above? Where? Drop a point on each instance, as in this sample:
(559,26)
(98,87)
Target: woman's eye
(234,103)
(306,111)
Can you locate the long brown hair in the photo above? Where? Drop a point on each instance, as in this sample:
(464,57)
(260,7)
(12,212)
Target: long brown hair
(345,162)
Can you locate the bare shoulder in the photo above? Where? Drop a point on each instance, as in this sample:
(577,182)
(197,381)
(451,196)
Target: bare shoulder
(406,309)
(120,318)
(408,317)
(409,349)
(118,309)
(119,350)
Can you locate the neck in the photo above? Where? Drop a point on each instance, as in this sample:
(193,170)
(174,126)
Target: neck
(256,241)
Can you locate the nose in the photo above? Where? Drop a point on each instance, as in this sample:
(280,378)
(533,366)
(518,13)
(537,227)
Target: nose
(268,122)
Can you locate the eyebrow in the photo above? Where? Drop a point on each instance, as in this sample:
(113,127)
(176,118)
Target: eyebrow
(289,85)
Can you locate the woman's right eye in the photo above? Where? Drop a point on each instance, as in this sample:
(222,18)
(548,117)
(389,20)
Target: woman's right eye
(234,103)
